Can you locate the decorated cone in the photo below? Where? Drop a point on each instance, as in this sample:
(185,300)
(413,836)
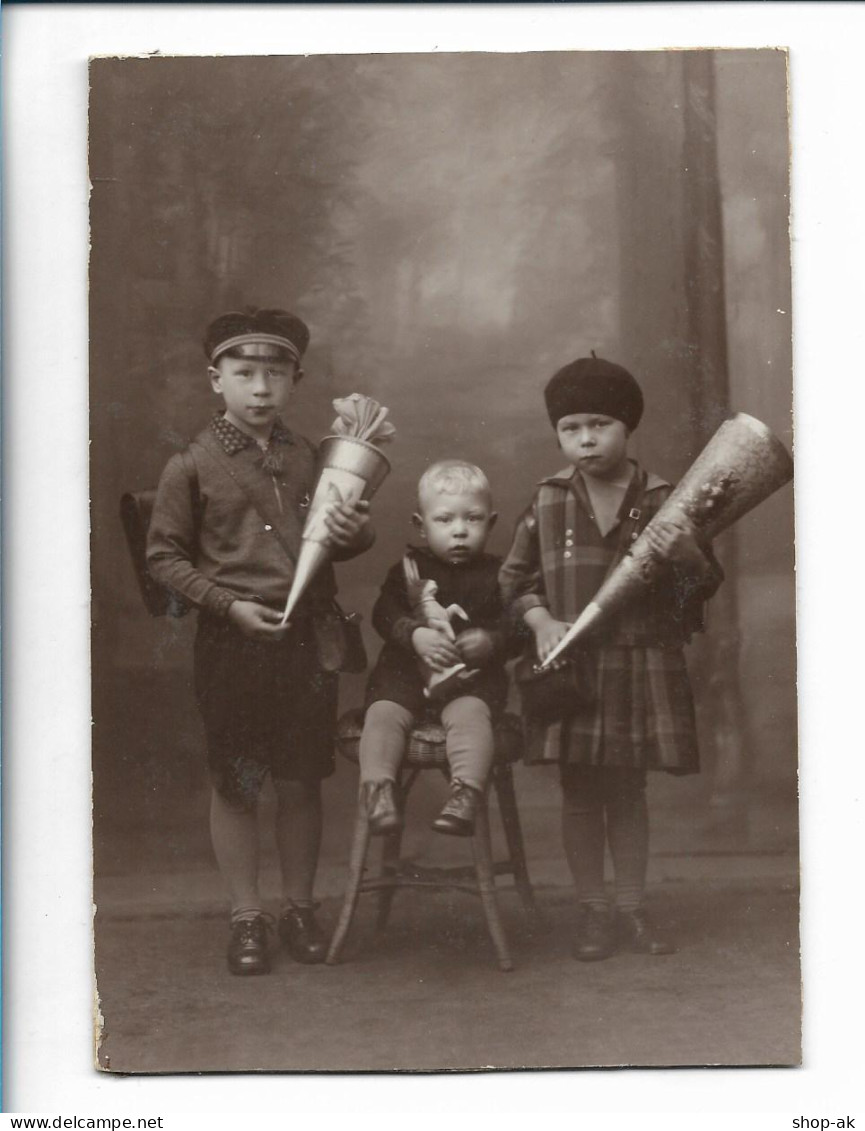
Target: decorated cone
(743,464)
(349,469)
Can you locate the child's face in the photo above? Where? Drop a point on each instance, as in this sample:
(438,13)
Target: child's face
(255,390)
(455,525)
(596,444)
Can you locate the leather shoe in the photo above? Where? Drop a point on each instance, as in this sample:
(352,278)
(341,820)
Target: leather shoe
(638,934)
(379,800)
(457,818)
(595,936)
(247,948)
(301,935)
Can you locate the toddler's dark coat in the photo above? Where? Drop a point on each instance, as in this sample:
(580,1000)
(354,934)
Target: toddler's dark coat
(471,585)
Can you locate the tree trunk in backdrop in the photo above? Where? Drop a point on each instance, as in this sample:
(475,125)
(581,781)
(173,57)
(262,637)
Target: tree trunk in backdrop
(709,392)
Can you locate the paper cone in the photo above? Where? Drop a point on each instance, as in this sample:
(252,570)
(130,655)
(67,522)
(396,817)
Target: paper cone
(743,464)
(349,469)
(311,558)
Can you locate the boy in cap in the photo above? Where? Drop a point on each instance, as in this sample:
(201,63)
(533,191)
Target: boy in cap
(225,534)
(640,713)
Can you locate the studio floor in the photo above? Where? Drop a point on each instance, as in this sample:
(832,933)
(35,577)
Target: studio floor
(427,995)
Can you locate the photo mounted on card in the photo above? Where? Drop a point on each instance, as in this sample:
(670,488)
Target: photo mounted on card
(442,560)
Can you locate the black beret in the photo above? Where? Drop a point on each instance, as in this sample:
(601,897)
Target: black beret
(284,331)
(591,384)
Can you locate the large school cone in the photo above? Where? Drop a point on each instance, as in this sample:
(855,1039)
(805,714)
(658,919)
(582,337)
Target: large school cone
(349,469)
(743,464)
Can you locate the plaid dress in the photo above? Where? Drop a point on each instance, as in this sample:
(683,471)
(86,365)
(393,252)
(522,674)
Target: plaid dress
(642,714)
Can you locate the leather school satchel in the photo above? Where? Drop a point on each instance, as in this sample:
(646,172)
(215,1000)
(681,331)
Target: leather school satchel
(339,640)
(136,510)
(552,694)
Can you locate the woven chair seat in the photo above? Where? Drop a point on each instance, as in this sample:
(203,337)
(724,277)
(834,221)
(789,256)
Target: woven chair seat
(426,744)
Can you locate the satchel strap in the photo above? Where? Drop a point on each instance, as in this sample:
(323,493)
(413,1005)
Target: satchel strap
(629,529)
(191,469)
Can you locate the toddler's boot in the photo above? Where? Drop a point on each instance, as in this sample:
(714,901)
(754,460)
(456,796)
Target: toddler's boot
(457,818)
(379,800)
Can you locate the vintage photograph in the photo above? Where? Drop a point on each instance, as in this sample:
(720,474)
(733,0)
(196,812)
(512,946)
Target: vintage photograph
(443,611)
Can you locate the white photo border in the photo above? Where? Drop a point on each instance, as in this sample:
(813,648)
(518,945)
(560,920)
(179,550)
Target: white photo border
(48,984)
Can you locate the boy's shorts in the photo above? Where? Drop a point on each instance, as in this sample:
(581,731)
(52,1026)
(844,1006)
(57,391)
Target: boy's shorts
(267,708)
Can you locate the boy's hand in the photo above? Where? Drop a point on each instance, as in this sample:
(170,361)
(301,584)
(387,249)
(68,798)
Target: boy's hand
(436,651)
(256,621)
(475,647)
(675,542)
(346,522)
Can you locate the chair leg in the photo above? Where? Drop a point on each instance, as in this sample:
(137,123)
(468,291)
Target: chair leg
(503,780)
(390,850)
(359,847)
(482,853)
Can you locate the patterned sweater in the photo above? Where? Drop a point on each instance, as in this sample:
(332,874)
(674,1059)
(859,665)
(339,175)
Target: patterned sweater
(236,532)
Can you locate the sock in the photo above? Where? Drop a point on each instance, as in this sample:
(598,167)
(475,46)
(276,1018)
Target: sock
(628,834)
(234,835)
(298,837)
(299,904)
(583,838)
(240,913)
(386,728)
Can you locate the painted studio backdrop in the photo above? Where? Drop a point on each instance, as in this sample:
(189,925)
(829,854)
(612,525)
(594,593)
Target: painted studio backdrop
(453,228)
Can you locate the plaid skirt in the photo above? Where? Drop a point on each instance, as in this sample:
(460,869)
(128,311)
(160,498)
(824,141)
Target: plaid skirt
(642,716)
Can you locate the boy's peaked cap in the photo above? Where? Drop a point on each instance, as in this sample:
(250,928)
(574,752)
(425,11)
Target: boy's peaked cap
(594,385)
(242,327)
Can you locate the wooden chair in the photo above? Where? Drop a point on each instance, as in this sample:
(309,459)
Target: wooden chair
(426,750)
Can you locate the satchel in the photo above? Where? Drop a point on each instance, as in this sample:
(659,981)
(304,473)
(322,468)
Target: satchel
(556,692)
(339,640)
(136,511)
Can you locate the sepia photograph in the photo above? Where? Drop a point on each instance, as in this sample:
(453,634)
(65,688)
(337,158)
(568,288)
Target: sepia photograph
(426,689)
(443,612)
(396,362)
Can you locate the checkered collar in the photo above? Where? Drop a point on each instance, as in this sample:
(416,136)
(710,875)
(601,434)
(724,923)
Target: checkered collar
(571,475)
(234,441)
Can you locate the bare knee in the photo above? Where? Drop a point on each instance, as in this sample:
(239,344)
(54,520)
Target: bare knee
(237,784)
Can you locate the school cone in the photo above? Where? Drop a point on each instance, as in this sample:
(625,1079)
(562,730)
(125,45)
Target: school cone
(349,469)
(741,466)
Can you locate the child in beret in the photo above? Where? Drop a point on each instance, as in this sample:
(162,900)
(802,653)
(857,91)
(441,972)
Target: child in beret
(638,714)
(225,534)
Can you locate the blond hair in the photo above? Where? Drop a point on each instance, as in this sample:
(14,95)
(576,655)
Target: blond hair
(455,476)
